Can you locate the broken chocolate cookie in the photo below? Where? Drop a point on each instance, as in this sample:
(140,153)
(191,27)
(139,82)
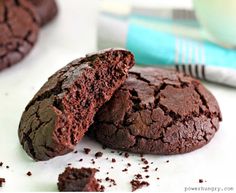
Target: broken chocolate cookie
(60,113)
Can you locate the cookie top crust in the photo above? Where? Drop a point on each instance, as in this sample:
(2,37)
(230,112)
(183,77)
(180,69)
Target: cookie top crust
(19,28)
(158,111)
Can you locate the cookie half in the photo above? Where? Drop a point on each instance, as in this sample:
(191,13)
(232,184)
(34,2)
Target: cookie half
(158,111)
(60,113)
(46,9)
(19,28)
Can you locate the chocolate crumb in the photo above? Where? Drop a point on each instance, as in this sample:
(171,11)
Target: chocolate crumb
(147,176)
(125,170)
(7,167)
(102,188)
(113,160)
(107,173)
(69,164)
(98,154)
(112,167)
(144,160)
(151,162)
(138,176)
(81,160)
(136,184)
(107,158)
(126,155)
(200,180)
(87,150)
(92,160)
(167,161)
(1,164)
(145,168)
(128,164)
(29,173)
(112,181)
(158,178)
(76,151)
(120,153)
(156,169)
(2,180)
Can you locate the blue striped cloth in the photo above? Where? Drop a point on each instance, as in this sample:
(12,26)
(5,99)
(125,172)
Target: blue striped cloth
(168,38)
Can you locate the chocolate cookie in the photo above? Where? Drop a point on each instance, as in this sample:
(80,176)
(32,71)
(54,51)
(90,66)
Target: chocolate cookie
(18,31)
(46,9)
(60,113)
(159,112)
(78,180)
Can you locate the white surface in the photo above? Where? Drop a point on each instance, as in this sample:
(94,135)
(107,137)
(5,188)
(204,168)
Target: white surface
(69,37)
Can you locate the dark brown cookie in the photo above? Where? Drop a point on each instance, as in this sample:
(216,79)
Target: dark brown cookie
(158,111)
(46,9)
(18,31)
(78,180)
(60,113)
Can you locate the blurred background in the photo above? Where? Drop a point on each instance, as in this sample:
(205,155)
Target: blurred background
(196,37)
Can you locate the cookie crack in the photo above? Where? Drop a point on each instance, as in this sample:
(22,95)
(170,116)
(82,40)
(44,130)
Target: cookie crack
(140,77)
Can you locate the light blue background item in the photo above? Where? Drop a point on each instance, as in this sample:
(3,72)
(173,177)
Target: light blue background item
(153,47)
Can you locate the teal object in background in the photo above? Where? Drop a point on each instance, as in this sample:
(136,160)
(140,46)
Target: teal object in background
(146,43)
(169,39)
(152,47)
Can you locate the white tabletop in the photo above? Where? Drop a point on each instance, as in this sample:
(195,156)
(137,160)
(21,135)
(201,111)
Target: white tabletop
(70,36)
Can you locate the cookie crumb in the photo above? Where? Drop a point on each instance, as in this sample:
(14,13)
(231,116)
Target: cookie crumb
(167,161)
(145,168)
(87,150)
(76,151)
(128,164)
(138,176)
(136,184)
(126,155)
(144,161)
(156,169)
(1,164)
(200,180)
(102,188)
(125,170)
(7,167)
(29,173)
(2,180)
(81,160)
(113,160)
(98,154)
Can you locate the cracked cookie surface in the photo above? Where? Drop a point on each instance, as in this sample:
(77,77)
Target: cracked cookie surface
(46,9)
(60,113)
(157,111)
(18,30)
